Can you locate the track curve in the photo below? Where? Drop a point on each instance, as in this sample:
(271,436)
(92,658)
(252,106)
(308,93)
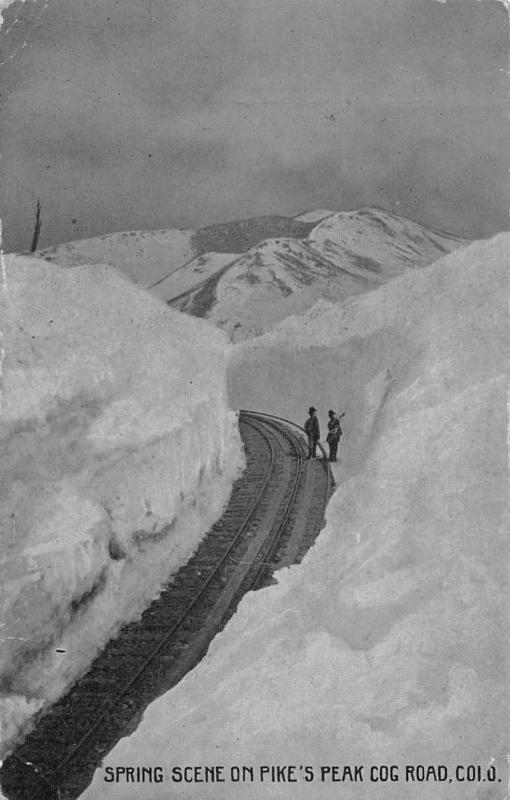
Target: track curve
(275,512)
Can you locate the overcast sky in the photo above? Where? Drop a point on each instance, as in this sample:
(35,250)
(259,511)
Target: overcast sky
(123,114)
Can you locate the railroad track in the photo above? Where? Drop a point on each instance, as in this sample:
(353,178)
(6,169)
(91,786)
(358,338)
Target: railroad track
(275,512)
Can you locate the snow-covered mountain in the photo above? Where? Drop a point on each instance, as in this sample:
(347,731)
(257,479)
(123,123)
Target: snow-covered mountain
(142,255)
(377,241)
(275,279)
(247,275)
(147,257)
(346,253)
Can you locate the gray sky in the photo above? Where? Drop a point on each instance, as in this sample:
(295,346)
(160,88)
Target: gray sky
(125,114)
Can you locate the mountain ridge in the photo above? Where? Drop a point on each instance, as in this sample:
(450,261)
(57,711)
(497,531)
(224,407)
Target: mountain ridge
(346,253)
(247,275)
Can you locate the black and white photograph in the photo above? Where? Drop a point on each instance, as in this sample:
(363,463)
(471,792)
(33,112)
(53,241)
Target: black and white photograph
(254,351)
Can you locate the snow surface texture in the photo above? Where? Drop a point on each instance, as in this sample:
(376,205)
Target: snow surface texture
(388,644)
(118,452)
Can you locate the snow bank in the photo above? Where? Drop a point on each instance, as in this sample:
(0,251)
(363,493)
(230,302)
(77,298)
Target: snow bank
(388,644)
(118,452)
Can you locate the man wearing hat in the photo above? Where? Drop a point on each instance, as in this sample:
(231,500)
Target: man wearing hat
(334,433)
(312,430)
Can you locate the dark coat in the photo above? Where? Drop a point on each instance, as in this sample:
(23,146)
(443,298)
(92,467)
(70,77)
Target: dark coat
(312,428)
(334,430)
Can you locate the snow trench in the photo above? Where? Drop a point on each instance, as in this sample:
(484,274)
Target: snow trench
(388,644)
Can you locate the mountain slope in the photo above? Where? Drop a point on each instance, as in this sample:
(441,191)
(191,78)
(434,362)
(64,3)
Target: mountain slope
(372,238)
(148,256)
(190,276)
(240,235)
(142,255)
(247,275)
(315,216)
(276,278)
(347,253)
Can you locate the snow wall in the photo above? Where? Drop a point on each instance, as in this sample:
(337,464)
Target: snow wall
(388,645)
(118,452)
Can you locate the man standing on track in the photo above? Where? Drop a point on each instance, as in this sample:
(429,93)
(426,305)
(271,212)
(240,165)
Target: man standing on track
(334,434)
(312,430)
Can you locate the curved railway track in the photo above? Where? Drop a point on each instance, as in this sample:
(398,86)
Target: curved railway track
(275,512)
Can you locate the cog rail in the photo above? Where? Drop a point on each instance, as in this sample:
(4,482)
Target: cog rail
(57,760)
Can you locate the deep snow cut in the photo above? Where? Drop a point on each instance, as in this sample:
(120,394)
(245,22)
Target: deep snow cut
(118,452)
(388,644)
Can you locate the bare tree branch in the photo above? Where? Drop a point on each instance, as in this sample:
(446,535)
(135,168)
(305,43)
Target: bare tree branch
(37,227)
